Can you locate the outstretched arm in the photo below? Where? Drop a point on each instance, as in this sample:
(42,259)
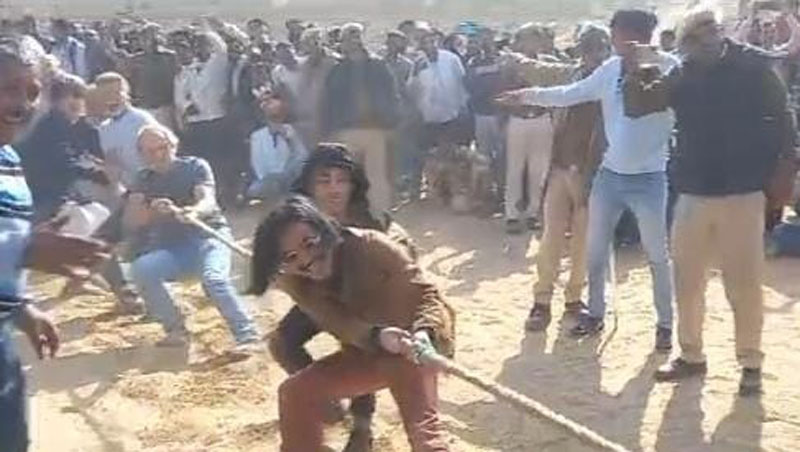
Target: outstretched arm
(589,89)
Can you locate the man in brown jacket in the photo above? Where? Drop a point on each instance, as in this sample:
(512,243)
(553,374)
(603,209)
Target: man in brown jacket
(338,185)
(577,148)
(366,290)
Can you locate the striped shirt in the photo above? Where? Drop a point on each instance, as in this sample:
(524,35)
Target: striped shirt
(16,209)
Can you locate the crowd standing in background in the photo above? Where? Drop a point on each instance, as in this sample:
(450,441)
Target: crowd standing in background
(127,132)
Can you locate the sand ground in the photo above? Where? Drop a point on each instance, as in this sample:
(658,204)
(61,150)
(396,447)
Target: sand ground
(111,390)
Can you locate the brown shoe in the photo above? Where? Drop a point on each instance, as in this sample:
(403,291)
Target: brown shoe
(539,318)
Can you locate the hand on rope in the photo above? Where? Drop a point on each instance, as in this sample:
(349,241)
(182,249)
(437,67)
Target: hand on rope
(416,347)
(165,206)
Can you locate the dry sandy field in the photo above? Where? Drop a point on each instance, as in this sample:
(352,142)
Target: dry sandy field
(112,391)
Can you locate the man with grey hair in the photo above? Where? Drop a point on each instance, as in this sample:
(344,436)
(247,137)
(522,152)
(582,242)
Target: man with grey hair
(359,107)
(168,193)
(119,132)
(735,133)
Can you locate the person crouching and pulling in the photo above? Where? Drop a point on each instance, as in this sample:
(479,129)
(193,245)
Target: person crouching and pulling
(338,185)
(376,301)
(167,193)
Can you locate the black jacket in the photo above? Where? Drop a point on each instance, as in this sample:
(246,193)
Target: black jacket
(733,122)
(50,157)
(359,94)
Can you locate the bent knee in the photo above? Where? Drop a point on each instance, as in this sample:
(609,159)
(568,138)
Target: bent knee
(297,389)
(142,269)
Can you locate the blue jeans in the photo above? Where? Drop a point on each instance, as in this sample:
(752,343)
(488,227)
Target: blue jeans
(646,196)
(198,256)
(785,240)
(13,416)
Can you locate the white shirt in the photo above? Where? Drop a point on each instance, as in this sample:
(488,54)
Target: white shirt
(119,138)
(635,146)
(272,154)
(439,88)
(71,55)
(207,88)
(182,95)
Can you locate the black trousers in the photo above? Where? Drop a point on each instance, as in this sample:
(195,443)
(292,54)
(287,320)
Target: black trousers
(217,143)
(288,348)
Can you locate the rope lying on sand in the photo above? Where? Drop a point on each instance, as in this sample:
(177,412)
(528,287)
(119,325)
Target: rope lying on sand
(429,356)
(520,401)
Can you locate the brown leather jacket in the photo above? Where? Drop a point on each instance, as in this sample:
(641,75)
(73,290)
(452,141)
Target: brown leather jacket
(377,283)
(579,139)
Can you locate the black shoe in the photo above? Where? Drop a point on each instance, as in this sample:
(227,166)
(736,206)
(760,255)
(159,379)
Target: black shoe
(587,326)
(574,308)
(679,369)
(539,318)
(360,441)
(663,340)
(750,384)
(513,227)
(533,224)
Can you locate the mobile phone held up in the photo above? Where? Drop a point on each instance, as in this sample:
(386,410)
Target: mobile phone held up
(646,55)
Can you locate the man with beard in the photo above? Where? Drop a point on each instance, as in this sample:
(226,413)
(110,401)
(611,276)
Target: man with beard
(119,132)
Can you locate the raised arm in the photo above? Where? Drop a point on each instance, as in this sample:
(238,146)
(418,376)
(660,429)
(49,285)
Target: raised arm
(589,89)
